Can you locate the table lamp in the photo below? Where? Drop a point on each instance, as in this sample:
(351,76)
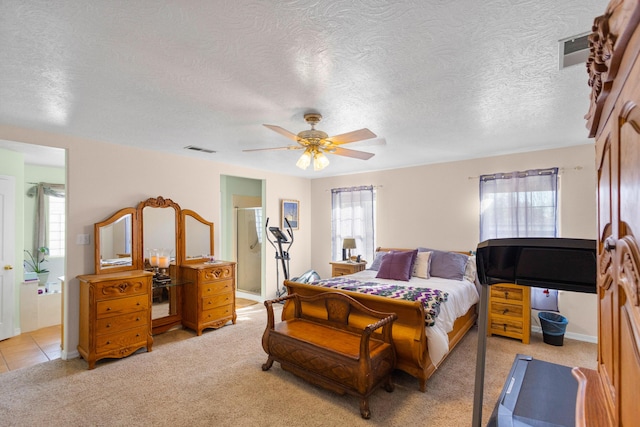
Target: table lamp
(349,243)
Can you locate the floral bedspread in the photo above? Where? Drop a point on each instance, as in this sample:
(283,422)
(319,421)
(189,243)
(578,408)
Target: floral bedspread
(430,298)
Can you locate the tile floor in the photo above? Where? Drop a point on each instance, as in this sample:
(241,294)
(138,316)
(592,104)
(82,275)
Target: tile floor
(30,348)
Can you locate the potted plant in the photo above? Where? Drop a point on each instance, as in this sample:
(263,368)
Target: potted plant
(35,263)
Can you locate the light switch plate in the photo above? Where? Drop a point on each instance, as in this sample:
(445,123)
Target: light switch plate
(82,239)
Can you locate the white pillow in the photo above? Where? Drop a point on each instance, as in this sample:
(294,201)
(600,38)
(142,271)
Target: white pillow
(470,269)
(422,265)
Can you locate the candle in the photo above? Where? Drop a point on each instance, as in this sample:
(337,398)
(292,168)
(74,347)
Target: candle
(163,261)
(153,260)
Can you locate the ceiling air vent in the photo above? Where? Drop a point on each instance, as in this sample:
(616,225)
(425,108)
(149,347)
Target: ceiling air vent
(574,50)
(200,149)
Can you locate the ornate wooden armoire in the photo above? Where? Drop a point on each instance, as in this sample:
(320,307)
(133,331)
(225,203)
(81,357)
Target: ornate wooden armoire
(612,395)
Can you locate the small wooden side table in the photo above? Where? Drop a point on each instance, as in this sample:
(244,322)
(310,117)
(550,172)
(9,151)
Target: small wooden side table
(340,268)
(510,311)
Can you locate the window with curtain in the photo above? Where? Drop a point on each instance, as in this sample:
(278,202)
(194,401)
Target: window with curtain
(521,204)
(50,217)
(353,215)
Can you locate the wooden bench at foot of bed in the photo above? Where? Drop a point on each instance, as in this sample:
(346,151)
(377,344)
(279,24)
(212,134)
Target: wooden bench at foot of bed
(326,349)
(409,335)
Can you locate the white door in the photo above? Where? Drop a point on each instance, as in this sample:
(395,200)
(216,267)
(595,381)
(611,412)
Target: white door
(7,254)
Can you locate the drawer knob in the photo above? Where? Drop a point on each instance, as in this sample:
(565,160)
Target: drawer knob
(506,294)
(505,327)
(505,311)
(108,325)
(108,308)
(108,342)
(138,303)
(137,319)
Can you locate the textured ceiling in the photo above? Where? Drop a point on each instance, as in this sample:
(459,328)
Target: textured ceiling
(438,80)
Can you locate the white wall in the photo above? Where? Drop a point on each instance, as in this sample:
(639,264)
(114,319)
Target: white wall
(438,206)
(102,178)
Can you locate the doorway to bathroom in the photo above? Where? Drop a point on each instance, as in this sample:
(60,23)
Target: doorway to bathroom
(249,240)
(39,173)
(242,217)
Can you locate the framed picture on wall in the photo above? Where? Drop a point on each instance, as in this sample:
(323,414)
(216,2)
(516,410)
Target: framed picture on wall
(290,211)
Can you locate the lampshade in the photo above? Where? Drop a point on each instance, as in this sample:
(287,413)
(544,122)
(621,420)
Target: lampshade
(349,243)
(305,160)
(320,161)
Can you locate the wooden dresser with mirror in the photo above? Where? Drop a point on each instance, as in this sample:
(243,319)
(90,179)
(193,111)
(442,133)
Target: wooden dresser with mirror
(131,297)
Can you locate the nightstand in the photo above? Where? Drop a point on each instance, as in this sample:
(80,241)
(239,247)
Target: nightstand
(340,268)
(510,311)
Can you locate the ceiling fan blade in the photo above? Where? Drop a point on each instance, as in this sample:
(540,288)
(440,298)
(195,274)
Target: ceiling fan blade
(283,132)
(370,142)
(290,147)
(356,135)
(363,155)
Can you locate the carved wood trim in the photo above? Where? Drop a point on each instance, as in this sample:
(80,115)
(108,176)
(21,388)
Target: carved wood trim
(605,279)
(601,44)
(160,202)
(218,273)
(610,35)
(123,288)
(628,274)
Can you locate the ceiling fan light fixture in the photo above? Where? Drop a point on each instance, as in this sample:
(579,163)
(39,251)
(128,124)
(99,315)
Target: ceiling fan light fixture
(305,160)
(316,143)
(320,161)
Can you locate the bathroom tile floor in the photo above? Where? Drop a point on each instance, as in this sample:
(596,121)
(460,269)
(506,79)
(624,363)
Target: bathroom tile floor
(30,348)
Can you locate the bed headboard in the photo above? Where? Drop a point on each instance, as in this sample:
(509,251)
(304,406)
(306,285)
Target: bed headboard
(446,268)
(381,249)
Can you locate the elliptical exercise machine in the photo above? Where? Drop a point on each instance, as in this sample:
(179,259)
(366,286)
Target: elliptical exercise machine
(281,254)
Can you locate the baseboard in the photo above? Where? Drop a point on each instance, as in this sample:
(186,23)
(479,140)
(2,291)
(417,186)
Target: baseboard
(64,355)
(571,335)
(246,295)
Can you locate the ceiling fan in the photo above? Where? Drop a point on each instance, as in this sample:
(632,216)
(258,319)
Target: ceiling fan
(316,143)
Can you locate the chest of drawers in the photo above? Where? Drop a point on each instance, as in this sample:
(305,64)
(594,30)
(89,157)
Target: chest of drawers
(115,315)
(209,295)
(510,311)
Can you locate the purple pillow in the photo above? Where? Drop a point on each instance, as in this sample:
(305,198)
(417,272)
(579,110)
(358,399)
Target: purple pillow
(397,265)
(448,265)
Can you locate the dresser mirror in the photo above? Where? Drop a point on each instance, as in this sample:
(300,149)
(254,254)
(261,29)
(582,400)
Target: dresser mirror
(160,237)
(198,238)
(116,243)
(159,231)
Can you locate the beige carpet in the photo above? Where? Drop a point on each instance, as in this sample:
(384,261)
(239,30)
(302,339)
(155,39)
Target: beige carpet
(216,380)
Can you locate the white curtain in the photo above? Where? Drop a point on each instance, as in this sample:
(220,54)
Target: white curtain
(521,204)
(353,215)
(41,190)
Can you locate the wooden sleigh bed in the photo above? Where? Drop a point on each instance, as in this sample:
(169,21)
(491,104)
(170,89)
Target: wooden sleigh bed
(410,333)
